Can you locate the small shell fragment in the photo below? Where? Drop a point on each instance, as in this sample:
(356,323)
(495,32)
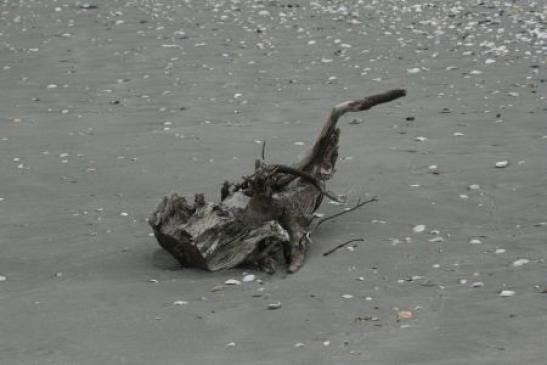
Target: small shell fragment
(502,164)
(273,306)
(232,282)
(419,228)
(520,262)
(248,278)
(507,293)
(402,315)
(436,239)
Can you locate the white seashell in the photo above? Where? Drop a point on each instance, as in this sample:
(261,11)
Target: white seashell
(507,293)
(232,282)
(248,278)
(520,262)
(273,306)
(436,239)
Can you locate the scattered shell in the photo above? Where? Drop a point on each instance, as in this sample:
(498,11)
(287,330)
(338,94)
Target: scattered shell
(347,296)
(3,278)
(326,343)
(273,306)
(248,278)
(474,187)
(421,139)
(299,344)
(436,239)
(502,164)
(402,315)
(477,284)
(419,228)
(475,241)
(520,262)
(500,250)
(153,281)
(217,288)
(231,344)
(180,302)
(507,293)
(232,282)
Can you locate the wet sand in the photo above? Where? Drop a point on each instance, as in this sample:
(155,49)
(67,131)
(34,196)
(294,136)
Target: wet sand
(106,110)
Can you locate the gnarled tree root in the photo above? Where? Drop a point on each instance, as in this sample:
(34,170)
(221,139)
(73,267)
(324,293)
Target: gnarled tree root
(264,218)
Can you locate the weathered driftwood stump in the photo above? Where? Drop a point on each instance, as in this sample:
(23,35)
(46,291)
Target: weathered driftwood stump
(263,219)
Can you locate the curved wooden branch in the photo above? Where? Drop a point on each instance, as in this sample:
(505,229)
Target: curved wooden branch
(329,131)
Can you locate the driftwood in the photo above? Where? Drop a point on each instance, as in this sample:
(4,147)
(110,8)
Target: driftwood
(263,220)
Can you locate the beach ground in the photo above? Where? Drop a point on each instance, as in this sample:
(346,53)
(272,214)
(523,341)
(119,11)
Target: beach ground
(105,110)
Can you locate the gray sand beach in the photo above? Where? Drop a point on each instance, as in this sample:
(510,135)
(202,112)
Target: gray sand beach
(105,110)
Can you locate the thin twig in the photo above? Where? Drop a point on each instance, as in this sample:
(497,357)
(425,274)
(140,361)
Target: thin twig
(263,150)
(342,245)
(357,206)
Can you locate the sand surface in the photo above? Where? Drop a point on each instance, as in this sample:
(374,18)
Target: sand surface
(105,110)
